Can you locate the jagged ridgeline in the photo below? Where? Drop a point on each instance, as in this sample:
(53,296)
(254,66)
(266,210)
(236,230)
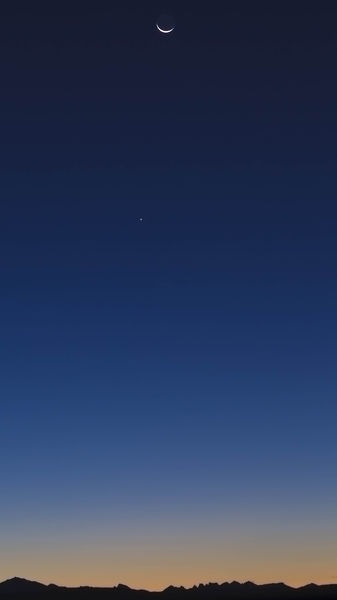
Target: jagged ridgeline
(22,588)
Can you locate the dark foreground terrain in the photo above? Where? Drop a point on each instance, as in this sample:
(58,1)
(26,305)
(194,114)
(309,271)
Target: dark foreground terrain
(17,588)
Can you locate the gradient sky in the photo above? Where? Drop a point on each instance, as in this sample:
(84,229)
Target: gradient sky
(168,387)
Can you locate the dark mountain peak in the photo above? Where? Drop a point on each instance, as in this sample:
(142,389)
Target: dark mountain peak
(172,588)
(206,586)
(121,587)
(311,588)
(19,584)
(53,586)
(21,581)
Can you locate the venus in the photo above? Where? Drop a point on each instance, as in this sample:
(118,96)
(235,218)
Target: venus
(165,24)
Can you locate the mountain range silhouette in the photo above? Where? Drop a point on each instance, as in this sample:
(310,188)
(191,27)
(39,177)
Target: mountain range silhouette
(18,588)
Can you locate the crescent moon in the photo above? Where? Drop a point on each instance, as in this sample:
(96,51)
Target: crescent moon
(164,30)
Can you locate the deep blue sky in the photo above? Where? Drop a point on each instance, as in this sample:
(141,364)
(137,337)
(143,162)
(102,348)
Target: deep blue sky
(168,384)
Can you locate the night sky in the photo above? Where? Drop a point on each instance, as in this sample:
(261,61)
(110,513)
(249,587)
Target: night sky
(168,295)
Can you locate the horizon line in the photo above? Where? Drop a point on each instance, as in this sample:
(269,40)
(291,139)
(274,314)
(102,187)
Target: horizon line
(161,590)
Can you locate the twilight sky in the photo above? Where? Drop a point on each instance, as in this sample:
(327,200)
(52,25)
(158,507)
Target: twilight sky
(168,386)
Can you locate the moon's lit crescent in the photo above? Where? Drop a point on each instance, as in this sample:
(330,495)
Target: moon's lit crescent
(164,30)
